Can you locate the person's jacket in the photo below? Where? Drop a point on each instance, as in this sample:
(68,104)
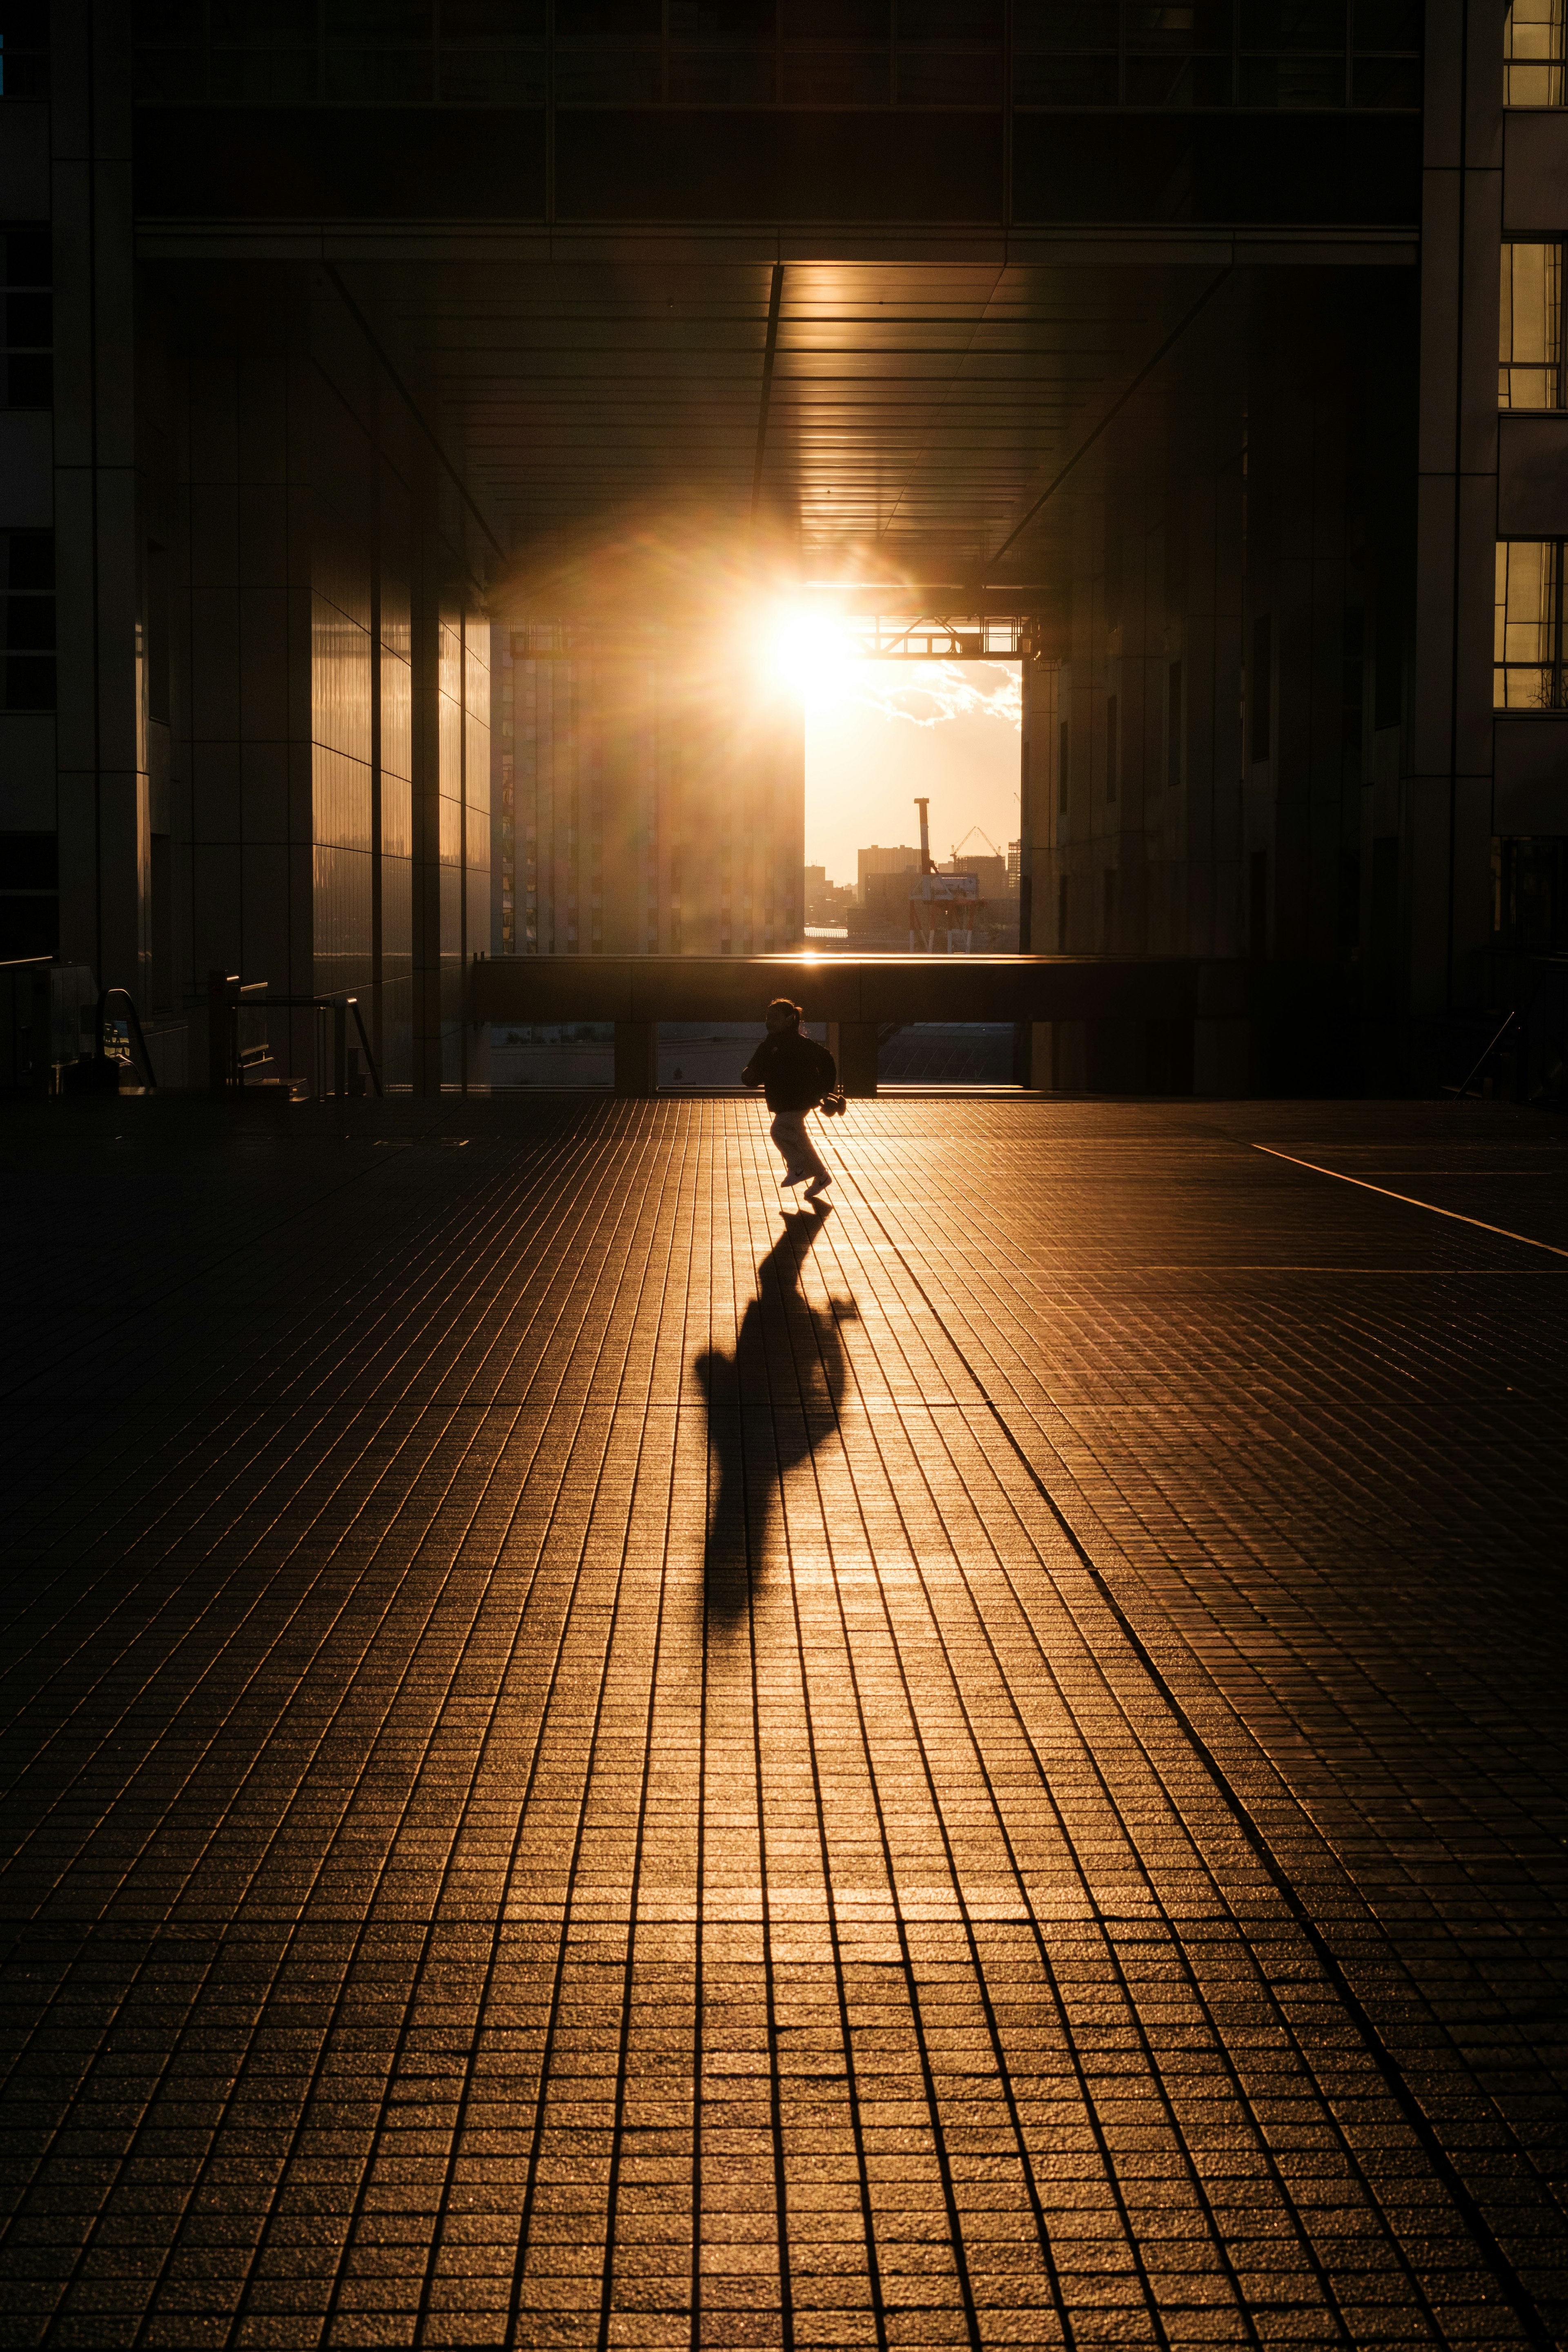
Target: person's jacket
(793,1071)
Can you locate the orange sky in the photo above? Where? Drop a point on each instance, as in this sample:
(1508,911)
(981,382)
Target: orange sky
(878,732)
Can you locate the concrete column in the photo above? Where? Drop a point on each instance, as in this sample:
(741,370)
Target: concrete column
(853,1045)
(636,1057)
(424,631)
(104,809)
(1035,1055)
(1446,811)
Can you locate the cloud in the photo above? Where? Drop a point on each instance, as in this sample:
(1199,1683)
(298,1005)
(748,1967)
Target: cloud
(928,694)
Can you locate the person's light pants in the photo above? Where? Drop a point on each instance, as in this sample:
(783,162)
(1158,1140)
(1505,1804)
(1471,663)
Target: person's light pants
(800,1158)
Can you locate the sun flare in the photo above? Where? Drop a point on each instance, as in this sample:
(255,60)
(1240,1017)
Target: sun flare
(812,653)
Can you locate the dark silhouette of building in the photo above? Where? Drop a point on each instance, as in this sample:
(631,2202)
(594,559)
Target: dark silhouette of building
(1169,336)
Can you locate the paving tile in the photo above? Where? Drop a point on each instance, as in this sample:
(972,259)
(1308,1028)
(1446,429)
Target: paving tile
(589,1760)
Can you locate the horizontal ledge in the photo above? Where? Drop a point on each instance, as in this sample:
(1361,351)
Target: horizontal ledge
(745,244)
(869,988)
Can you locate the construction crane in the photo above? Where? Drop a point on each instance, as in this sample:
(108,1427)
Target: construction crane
(941,893)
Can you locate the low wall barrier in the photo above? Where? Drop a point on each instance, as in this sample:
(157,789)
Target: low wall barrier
(1093,1024)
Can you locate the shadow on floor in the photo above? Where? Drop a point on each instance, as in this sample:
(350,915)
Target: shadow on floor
(769,1404)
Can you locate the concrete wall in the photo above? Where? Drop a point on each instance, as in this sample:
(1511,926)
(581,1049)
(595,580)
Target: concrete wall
(1203,725)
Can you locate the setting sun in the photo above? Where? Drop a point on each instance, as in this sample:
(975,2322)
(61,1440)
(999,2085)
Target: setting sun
(811,652)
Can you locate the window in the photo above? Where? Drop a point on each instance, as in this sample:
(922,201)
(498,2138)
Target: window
(1533,53)
(1208,54)
(27,620)
(29,894)
(1262,684)
(1530,339)
(1062,773)
(25,49)
(1174,725)
(1530,893)
(26,324)
(1527,632)
(1388,692)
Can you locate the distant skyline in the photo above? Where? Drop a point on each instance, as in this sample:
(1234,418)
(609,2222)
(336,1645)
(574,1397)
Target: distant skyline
(882,732)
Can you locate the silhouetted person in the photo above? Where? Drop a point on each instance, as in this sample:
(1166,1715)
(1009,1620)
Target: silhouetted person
(785,1418)
(794,1073)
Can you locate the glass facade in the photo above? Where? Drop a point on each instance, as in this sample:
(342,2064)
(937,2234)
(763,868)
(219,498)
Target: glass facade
(1533,53)
(343,735)
(1527,638)
(902,53)
(1530,894)
(27,320)
(645,809)
(27,620)
(1530,344)
(396,774)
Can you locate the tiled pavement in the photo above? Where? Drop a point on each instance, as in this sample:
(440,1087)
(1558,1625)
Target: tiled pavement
(588,1763)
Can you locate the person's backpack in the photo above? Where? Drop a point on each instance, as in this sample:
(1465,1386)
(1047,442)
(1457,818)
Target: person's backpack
(830,1102)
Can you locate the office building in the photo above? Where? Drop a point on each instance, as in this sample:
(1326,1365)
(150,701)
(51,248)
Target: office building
(1171,345)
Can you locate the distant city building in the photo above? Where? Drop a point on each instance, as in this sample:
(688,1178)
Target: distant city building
(634,817)
(877,861)
(990,872)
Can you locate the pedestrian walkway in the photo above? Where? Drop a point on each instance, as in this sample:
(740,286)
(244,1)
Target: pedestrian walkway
(594,1761)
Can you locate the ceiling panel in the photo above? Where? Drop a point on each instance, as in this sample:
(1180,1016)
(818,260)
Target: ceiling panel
(916,410)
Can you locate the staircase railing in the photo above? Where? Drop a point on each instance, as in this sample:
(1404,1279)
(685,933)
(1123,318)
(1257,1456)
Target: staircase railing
(1509,1020)
(238,1041)
(139,1054)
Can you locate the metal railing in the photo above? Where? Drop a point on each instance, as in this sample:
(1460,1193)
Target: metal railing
(140,1058)
(238,1040)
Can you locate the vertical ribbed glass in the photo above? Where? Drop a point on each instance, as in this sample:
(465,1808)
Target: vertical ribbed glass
(1533,53)
(1530,327)
(476,780)
(340,685)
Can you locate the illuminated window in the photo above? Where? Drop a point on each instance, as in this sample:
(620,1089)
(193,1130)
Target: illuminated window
(1529,345)
(1533,53)
(1526,631)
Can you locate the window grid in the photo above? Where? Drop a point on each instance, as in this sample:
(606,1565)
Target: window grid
(1531,356)
(1527,632)
(27,620)
(27,320)
(1068,53)
(1533,53)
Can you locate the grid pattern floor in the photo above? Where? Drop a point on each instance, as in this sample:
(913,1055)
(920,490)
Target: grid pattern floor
(590,1760)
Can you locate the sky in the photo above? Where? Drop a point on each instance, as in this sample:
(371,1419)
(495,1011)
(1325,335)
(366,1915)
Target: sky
(878,732)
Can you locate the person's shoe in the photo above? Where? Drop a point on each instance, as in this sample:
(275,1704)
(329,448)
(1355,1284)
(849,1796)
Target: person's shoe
(789,1182)
(817,1186)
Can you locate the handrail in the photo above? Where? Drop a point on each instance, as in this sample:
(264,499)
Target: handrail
(1508,1021)
(133,1026)
(341,1002)
(258,998)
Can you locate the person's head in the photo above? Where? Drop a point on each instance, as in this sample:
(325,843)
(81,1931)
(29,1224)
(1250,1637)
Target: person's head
(782,1014)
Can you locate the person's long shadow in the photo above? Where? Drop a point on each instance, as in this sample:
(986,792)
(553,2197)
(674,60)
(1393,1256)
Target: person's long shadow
(769,1404)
